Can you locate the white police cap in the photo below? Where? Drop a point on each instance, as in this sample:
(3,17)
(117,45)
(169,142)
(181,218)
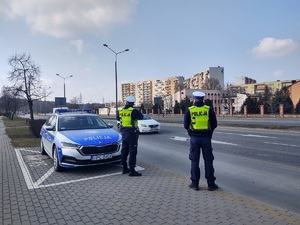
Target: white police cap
(130,99)
(198,94)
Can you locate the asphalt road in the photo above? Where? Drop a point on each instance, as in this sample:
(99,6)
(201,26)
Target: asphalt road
(260,164)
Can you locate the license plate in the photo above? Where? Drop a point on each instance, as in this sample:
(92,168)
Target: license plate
(101,157)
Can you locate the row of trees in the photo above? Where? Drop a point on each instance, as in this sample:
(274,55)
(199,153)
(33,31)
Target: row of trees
(271,102)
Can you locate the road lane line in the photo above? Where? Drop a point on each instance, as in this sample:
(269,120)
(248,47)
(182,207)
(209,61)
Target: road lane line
(223,143)
(273,143)
(254,135)
(246,135)
(177,138)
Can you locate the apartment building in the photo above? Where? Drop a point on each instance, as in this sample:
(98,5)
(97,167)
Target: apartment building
(257,88)
(197,80)
(127,89)
(146,91)
(244,80)
(294,91)
(143,92)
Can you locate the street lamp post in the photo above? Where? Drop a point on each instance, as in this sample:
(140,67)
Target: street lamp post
(116,73)
(64,82)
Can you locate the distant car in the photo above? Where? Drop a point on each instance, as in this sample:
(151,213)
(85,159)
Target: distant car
(224,111)
(79,139)
(146,125)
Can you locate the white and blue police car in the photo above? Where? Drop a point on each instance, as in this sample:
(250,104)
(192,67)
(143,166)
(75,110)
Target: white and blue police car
(79,139)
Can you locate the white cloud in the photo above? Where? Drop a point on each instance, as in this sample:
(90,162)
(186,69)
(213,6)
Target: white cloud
(271,47)
(69,18)
(78,44)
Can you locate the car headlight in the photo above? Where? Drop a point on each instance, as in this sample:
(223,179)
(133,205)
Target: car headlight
(70,145)
(143,125)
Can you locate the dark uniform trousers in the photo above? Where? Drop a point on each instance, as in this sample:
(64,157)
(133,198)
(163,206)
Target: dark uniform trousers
(196,144)
(129,147)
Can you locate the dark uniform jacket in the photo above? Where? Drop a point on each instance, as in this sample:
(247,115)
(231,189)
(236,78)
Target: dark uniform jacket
(200,133)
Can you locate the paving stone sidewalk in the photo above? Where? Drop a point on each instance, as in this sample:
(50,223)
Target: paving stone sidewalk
(158,197)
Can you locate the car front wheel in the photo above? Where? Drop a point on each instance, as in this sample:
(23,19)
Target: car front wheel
(56,165)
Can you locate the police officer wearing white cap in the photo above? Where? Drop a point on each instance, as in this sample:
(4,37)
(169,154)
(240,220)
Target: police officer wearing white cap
(200,121)
(128,116)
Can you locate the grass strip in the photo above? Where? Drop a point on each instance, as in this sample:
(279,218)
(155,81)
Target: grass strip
(19,133)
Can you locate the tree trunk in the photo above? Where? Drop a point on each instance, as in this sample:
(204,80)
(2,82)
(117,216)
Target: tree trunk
(30,104)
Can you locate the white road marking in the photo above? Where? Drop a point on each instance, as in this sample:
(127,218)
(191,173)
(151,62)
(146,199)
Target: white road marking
(38,184)
(246,135)
(254,135)
(26,174)
(177,138)
(28,150)
(273,143)
(45,176)
(223,143)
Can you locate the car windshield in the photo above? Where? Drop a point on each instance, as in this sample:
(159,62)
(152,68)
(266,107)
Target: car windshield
(146,117)
(80,123)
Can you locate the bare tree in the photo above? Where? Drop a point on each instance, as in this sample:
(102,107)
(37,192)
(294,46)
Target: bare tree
(25,76)
(74,102)
(148,105)
(212,84)
(11,102)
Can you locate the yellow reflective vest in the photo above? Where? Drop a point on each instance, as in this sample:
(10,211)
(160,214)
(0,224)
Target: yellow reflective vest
(199,117)
(125,118)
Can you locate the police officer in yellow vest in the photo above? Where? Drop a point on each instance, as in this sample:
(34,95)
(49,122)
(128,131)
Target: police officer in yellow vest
(128,116)
(200,121)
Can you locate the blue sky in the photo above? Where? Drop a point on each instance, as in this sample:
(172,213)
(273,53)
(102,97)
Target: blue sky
(255,38)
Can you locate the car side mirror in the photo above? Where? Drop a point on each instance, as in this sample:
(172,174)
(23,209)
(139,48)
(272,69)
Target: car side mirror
(110,125)
(50,128)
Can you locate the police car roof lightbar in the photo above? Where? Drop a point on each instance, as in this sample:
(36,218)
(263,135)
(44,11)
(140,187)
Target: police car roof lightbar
(73,110)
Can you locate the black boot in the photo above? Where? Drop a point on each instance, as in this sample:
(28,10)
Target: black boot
(194,185)
(134,173)
(212,187)
(125,170)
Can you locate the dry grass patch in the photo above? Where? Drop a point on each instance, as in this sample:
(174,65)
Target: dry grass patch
(19,133)
(17,122)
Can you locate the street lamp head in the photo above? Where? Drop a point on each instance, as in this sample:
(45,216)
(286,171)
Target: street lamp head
(71,76)
(57,74)
(116,54)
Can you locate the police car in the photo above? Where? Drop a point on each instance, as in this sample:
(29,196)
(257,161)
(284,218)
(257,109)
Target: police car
(79,139)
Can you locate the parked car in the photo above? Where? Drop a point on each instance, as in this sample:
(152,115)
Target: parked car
(79,139)
(224,111)
(146,125)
